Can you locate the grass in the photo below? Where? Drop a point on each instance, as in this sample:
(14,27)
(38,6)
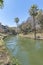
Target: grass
(1,42)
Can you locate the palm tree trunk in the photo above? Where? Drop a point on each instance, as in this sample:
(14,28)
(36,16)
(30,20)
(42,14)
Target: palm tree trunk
(34,27)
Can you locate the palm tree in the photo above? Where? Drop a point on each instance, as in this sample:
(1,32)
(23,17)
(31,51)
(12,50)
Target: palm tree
(17,20)
(1,3)
(33,12)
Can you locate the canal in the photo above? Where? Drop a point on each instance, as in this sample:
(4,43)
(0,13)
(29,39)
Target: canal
(27,51)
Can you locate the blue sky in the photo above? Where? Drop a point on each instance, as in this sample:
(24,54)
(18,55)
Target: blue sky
(17,8)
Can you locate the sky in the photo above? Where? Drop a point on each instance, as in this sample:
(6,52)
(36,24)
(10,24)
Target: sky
(17,8)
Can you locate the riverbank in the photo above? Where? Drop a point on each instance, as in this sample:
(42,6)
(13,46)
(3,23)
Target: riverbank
(5,55)
(31,36)
(2,36)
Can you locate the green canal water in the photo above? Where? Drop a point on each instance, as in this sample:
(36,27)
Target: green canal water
(27,51)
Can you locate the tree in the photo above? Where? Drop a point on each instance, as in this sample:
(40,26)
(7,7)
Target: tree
(33,12)
(17,20)
(1,3)
(40,18)
(25,27)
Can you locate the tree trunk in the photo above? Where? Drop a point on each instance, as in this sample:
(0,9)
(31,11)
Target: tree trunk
(34,27)
(17,30)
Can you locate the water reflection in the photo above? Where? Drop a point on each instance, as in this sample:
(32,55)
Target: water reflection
(27,51)
(37,45)
(17,51)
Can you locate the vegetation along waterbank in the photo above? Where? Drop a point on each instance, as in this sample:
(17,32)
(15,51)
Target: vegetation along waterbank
(39,36)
